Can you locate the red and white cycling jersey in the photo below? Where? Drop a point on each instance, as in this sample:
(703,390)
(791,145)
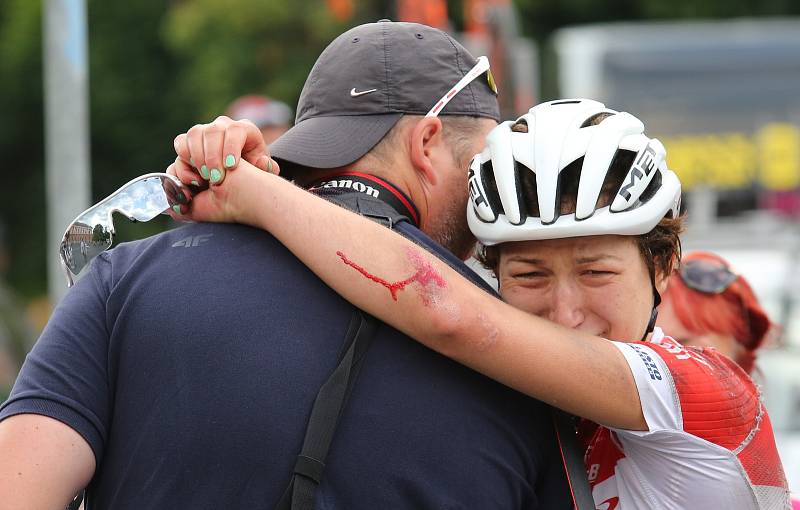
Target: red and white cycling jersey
(710,443)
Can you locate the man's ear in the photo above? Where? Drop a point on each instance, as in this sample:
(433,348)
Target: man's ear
(426,139)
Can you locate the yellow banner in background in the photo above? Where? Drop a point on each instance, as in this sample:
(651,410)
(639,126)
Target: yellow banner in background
(770,158)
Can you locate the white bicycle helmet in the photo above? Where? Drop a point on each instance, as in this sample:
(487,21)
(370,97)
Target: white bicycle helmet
(559,133)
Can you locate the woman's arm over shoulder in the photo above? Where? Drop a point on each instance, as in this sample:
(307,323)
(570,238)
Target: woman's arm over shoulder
(395,280)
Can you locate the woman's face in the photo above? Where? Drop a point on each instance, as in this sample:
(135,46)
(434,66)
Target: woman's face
(597,284)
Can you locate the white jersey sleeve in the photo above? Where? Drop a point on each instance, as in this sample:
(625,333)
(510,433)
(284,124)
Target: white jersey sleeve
(709,443)
(660,404)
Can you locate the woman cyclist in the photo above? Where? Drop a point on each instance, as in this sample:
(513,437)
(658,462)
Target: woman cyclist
(706,304)
(578,213)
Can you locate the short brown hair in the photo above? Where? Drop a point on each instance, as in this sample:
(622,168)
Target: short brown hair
(660,248)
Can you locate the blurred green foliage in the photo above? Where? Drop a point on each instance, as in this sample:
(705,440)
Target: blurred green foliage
(155,69)
(158,67)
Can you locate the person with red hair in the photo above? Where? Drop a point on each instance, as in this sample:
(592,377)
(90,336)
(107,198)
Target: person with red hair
(707,304)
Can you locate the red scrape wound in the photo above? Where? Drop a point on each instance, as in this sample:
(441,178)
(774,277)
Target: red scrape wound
(426,276)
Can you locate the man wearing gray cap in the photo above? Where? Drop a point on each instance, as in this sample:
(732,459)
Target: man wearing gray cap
(206,367)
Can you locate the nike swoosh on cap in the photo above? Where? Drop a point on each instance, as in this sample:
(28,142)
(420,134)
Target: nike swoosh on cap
(353,92)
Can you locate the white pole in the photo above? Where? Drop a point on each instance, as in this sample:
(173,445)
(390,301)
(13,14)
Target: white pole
(66,126)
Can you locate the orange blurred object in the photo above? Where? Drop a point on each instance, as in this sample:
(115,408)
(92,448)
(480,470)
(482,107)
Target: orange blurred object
(341,9)
(428,12)
(476,14)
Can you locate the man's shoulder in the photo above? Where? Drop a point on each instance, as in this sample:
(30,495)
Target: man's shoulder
(421,239)
(193,243)
(380,211)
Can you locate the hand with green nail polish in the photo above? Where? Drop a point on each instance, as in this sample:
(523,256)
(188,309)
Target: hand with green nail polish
(217,175)
(229,198)
(240,140)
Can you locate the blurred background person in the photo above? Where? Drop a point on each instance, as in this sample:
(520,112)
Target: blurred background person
(272,117)
(707,304)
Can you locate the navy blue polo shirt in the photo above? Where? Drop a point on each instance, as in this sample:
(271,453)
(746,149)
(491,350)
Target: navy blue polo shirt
(189,361)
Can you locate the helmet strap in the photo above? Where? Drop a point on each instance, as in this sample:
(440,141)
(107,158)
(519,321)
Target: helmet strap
(654,313)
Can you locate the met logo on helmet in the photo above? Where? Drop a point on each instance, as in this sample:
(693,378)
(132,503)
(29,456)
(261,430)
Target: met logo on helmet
(475,190)
(642,167)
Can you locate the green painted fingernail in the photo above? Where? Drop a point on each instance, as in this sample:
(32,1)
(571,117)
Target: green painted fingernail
(269,165)
(216,175)
(204,172)
(191,162)
(195,183)
(230,160)
(176,208)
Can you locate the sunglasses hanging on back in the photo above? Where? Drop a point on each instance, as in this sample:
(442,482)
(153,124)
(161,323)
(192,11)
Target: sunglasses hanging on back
(92,232)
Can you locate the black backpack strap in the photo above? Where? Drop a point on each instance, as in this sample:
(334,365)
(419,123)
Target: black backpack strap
(328,406)
(572,456)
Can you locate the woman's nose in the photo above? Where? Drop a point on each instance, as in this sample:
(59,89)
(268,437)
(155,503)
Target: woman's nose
(567,307)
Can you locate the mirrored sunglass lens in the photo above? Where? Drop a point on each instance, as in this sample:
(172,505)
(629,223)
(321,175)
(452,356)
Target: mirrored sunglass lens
(92,232)
(706,277)
(143,200)
(82,243)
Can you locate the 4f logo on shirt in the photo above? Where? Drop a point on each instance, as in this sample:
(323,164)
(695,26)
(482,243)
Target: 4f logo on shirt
(192,241)
(643,166)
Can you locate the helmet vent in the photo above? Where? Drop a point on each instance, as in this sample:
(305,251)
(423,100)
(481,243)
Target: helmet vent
(528,190)
(651,189)
(567,191)
(521,126)
(490,187)
(596,119)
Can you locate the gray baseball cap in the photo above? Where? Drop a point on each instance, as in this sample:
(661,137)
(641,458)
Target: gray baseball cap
(364,82)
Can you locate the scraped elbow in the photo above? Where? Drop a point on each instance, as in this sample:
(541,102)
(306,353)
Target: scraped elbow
(445,327)
(458,333)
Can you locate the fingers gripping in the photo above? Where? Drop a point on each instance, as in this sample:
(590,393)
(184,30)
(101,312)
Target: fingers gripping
(194,143)
(188,176)
(213,139)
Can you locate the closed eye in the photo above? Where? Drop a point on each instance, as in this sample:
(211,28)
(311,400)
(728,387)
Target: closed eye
(594,272)
(530,274)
